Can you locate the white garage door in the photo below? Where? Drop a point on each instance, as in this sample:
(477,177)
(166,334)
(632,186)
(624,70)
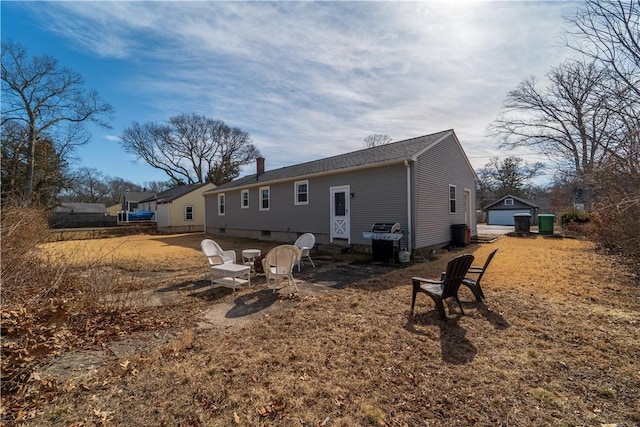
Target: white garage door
(504,217)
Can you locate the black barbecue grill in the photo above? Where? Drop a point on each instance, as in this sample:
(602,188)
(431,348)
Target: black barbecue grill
(384,236)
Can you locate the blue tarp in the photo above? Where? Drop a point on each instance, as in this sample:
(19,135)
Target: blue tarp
(141,215)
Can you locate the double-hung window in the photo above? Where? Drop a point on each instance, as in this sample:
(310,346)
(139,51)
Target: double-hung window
(188,213)
(452,199)
(301,192)
(221,204)
(244,199)
(265,198)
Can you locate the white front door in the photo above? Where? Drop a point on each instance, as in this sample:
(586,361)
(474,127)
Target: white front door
(340,228)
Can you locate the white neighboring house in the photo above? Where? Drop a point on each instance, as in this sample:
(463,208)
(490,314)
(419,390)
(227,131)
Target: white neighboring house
(133,210)
(180,209)
(131,201)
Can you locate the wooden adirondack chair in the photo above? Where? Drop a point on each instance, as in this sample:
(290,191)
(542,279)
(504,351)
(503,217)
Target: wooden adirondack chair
(439,290)
(474,284)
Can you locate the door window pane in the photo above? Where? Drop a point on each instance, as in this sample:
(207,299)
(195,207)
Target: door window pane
(339,204)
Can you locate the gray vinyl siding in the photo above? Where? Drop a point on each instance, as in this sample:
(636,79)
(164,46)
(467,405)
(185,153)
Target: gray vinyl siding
(380,195)
(377,195)
(435,170)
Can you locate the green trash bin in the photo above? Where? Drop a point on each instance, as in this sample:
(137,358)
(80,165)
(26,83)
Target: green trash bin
(545,223)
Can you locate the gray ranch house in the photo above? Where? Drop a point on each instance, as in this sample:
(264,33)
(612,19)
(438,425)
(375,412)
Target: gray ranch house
(426,184)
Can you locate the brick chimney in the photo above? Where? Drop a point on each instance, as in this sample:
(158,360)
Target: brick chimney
(259,166)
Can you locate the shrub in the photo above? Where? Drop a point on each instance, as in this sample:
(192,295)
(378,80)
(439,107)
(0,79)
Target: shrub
(617,229)
(39,296)
(574,216)
(26,276)
(28,281)
(616,221)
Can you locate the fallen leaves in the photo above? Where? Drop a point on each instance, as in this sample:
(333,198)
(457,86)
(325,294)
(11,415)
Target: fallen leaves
(274,409)
(32,333)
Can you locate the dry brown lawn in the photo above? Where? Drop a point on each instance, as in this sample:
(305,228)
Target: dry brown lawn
(557,344)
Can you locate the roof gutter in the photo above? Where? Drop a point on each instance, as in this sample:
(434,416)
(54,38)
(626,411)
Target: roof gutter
(205,211)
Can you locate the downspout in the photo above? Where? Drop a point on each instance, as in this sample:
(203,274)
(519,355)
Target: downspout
(205,213)
(169,215)
(409,206)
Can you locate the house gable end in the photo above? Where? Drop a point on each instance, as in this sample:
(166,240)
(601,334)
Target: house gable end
(517,203)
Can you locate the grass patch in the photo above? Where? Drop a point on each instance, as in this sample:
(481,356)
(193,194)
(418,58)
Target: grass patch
(545,349)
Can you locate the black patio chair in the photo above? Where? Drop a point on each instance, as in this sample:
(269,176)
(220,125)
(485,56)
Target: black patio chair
(439,290)
(474,284)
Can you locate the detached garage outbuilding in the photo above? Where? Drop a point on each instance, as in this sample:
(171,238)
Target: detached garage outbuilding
(502,210)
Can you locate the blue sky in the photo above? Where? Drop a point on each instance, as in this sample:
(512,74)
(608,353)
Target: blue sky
(306,79)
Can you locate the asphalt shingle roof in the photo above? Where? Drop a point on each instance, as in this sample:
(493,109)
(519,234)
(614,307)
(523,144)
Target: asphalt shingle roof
(173,193)
(138,196)
(72,207)
(400,150)
(525,202)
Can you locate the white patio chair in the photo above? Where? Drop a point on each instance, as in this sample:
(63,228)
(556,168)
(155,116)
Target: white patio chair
(215,255)
(279,262)
(305,243)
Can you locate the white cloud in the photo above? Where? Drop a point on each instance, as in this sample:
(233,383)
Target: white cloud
(321,76)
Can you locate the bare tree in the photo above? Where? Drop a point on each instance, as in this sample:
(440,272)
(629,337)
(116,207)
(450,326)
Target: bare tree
(50,103)
(376,139)
(117,187)
(47,180)
(191,148)
(508,176)
(13,158)
(570,120)
(157,186)
(88,185)
(608,31)
(484,189)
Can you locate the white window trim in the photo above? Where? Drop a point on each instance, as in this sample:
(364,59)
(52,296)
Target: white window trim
(224,204)
(260,190)
(242,199)
(455,199)
(508,201)
(193,213)
(295,192)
